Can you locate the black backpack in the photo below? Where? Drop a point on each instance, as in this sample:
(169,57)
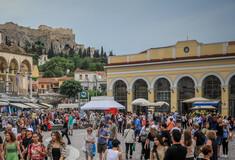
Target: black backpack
(200,138)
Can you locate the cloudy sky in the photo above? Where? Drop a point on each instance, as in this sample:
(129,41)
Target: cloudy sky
(128,26)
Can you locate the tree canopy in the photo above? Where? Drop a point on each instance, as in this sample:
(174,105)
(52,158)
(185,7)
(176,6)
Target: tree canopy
(70,88)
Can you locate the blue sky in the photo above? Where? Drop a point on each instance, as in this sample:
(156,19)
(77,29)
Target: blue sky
(128,26)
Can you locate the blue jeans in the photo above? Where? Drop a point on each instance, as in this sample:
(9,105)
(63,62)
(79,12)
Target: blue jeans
(137,132)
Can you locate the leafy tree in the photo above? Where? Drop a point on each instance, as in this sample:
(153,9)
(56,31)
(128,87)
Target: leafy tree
(51,51)
(48,74)
(70,74)
(111,53)
(84,54)
(70,88)
(71,52)
(102,52)
(96,53)
(88,52)
(105,55)
(80,53)
(85,65)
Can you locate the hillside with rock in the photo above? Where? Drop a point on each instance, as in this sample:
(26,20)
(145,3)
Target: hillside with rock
(61,40)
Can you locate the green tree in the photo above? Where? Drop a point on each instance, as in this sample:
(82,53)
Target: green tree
(88,52)
(85,65)
(102,52)
(51,51)
(48,74)
(111,53)
(84,54)
(70,88)
(70,74)
(80,52)
(71,52)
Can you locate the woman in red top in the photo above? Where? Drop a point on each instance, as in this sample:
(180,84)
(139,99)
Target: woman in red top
(36,150)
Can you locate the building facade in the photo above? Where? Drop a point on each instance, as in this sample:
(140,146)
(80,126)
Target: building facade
(90,80)
(43,59)
(15,70)
(175,73)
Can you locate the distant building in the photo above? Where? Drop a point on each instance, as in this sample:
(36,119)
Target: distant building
(50,85)
(90,80)
(43,59)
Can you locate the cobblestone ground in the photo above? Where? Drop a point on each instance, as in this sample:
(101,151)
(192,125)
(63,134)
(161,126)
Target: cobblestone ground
(74,151)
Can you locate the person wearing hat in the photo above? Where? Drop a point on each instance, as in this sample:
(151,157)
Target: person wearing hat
(115,152)
(27,140)
(102,135)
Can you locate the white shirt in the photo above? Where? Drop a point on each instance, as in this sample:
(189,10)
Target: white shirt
(112,155)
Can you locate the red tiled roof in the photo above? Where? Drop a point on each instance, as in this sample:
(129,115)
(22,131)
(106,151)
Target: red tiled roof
(81,70)
(47,80)
(65,78)
(100,72)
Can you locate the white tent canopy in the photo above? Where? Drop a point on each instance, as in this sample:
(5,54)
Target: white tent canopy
(102,103)
(195,99)
(68,105)
(140,101)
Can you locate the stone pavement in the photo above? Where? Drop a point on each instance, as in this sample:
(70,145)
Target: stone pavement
(74,151)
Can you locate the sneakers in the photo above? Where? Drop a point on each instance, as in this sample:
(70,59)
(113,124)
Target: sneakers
(225,156)
(222,156)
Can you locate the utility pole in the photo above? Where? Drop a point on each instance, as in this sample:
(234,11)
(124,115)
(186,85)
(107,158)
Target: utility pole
(96,87)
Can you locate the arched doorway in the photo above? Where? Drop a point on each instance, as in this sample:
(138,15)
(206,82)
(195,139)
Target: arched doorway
(232,96)
(120,92)
(185,91)
(212,88)
(140,90)
(162,92)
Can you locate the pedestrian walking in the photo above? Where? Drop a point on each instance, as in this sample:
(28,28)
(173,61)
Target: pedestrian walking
(129,139)
(90,140)
(56,147)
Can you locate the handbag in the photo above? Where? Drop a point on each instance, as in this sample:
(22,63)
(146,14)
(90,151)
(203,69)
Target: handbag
(63,130)
(194,154)
(94,149)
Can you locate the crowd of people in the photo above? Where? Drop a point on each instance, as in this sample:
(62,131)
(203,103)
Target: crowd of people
(162,136)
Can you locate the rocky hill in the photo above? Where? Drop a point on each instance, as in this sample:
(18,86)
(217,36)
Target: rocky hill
(60,39)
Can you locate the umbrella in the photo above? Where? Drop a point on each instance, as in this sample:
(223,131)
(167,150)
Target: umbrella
(148,104)
(162,103)
(139,101)
(195,99)
(203,108)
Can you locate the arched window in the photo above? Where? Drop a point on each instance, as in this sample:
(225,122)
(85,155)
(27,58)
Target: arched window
(140,90)
(162,92)
(185,91)
(232,96)
(120,92)
(212,87)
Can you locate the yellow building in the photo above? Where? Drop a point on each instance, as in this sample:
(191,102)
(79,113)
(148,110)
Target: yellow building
(175,73)
(15,70)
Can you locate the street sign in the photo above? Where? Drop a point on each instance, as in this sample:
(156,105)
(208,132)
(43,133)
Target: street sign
(83,94)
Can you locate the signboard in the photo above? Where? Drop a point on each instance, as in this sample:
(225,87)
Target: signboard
(83,94)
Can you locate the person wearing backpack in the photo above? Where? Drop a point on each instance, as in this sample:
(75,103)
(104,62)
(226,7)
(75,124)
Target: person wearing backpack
(36,150)
(199,137)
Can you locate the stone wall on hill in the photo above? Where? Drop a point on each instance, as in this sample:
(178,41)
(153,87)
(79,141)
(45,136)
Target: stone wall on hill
(62,39)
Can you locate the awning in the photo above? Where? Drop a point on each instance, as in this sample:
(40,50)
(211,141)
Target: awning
(4,103)
(196,99)
(203,108)
(34,105)
(20,105)
(47,105)
(209,103)
(68,105)
(102,103)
